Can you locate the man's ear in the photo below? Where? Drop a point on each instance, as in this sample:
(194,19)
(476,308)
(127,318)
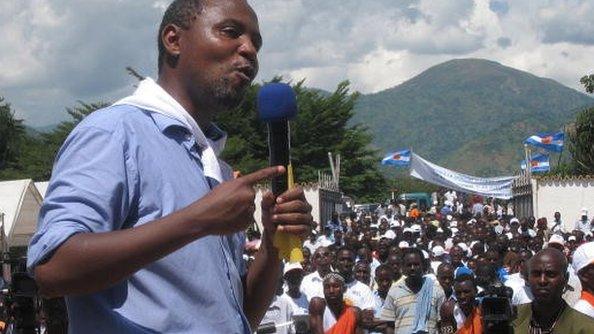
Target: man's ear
(171,36)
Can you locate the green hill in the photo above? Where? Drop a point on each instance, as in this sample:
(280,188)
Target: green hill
(470,115)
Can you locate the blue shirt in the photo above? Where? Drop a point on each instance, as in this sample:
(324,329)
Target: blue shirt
(122,167)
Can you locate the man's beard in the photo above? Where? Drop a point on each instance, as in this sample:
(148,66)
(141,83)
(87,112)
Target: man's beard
(224,96)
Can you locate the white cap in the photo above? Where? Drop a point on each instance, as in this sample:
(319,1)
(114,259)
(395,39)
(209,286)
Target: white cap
(449,217)
(583,256)
(557,239)
(403,244)
(572,238)
(416,228)
(453,223)
(438,251)
(292,266)
(583,212)
(439,230)
(407,229)
(514,220)
(395,223)
(454,230)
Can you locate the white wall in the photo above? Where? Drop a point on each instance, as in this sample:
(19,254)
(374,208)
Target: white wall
(312,195)
(568,196)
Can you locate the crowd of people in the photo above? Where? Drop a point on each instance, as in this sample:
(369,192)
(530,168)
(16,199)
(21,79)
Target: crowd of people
(460,266)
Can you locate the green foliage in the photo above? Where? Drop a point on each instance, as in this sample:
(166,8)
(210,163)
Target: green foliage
(36,152)
(581,142)
(588,82)
(470,115)
(321,126)
(12,133)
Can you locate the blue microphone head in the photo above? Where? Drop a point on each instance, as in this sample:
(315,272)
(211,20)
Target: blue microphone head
(276,101)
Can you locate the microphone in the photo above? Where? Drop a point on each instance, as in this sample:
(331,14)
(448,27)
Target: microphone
(277,104)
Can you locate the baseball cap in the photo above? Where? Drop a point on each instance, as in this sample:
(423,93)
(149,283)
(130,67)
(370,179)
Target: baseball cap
(407,229)
(403,244)
(514,220)
(416,228)
(292,266)
(438,251)
(557,239)
(583,256)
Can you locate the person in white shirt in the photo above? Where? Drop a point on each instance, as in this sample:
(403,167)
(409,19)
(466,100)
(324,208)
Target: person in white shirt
(358,293)
(279,313)
(312,284)
(583,265)
(584,224)
(293,275)
(556,225)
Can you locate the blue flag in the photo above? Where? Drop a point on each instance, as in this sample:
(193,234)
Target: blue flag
(539,163)
(548,141)
(399,158)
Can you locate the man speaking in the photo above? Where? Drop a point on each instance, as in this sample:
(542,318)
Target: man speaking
(142,225)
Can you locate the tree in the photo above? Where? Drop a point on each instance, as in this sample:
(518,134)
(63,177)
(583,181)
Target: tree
(581,142)
(321,126)
(588,82)
(12,133)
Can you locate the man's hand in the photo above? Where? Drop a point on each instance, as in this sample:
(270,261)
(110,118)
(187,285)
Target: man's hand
(289,213)
(229,207)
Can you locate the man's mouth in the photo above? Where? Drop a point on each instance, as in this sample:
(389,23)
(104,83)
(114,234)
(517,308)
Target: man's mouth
(246,72)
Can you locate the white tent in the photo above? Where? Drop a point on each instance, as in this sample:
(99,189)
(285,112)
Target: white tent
(20,202)
(42,187)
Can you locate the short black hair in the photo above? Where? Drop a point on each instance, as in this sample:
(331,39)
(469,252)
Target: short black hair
(384,267)
(181,13)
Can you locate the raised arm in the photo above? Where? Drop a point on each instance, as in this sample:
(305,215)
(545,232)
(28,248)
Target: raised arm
(90,262)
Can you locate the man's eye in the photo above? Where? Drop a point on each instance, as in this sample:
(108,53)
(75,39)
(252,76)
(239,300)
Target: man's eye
(231,32)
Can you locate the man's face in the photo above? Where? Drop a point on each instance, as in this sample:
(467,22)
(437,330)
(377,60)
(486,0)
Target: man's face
(547,278)
(344,263)
(586,276)
(465,294)
(394,261)
(457,255)
(294,278)
(383,278)
(333,291)
(363,273)
(413,266)
(322,257)
(218,53)
(445,277)
(492,258)
(484,276)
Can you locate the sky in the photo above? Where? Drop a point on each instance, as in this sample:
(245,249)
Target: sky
(54,53)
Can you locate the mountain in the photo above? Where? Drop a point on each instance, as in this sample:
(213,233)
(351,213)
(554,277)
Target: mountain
(470,115)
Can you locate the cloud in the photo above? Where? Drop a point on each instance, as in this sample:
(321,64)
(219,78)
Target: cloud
(56,52)
(498,6)
(569,21)
(503,42)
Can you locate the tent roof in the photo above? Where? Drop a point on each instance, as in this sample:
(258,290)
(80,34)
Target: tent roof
(20,202)
(42,187)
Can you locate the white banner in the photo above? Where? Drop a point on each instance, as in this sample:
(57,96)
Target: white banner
(498,187)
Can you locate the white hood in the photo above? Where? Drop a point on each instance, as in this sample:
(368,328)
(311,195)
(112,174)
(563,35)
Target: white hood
(152,97)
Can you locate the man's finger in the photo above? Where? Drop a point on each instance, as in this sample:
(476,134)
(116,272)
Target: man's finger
(263,174)
(291,194)
(293,206)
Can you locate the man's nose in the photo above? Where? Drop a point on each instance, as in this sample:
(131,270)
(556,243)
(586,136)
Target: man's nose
(248,49)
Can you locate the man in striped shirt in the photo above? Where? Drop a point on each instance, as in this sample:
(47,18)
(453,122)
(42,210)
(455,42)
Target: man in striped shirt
(413,303)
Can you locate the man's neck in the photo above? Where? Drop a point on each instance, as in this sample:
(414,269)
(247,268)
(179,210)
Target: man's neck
(202,115)
(294,293)
(414,284)
(336,308)
(382,294)
(545,314)
(323,272)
